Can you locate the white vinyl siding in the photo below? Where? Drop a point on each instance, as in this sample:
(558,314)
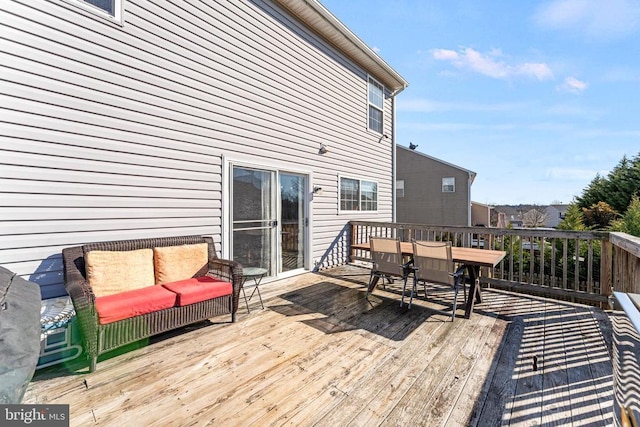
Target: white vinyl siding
(119,132)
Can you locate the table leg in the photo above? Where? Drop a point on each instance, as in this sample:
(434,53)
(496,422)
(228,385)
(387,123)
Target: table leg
(246,301)
(257,288)
(475,295)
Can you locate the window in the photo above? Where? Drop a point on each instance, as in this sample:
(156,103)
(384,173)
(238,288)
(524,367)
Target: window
(448,185)
(357,195)
(376,105)
(400,188)
(368,196)
(107,8)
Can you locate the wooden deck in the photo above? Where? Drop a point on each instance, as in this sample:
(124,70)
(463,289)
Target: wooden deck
(321,354)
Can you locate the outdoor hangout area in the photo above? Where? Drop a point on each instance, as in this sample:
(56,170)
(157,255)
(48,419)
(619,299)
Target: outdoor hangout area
(321,353)
(425,325)
(228,213)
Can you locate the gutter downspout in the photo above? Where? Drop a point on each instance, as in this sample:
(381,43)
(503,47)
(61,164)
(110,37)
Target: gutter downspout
(469,212)
(393,158)
(393,151)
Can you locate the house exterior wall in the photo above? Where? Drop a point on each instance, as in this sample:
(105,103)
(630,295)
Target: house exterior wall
(424,202)
(480,214)
(123,131)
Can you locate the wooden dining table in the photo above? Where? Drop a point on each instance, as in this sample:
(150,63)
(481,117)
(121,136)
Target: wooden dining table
(471,258)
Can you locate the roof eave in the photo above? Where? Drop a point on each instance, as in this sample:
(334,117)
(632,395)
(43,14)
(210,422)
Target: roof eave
(318,18)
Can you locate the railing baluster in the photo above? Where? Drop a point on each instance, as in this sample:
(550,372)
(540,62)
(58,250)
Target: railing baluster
(593,277)
(565,264)
(590,267)
(542,248)
(576,273)
(552,263)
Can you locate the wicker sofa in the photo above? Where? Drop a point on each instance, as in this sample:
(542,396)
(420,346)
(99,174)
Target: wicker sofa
(115,303)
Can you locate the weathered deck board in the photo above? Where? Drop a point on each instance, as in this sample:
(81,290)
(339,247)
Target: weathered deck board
(321,354)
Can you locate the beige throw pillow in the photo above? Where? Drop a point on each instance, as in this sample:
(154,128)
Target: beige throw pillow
(112,272)
(175,263)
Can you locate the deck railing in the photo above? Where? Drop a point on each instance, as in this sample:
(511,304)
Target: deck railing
(582,266)
(626,262)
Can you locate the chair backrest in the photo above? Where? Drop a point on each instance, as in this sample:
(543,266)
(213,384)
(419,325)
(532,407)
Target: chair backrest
(386,256)
(433,261)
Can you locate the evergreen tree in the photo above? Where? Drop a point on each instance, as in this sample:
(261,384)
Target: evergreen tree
(630,221)
(594,193)
(616,189)
(573,219)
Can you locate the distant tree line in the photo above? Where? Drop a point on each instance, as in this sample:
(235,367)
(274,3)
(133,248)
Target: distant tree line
(609,203)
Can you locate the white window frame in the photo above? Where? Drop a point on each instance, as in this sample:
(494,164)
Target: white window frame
(359,196)
(399,188)
(118,10)
(449,184)
(371,105)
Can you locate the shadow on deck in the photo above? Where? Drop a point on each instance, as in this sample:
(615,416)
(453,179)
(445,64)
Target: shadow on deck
(321,354)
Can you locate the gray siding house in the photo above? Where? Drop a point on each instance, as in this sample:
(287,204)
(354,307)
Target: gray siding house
(261,123)
(431,191)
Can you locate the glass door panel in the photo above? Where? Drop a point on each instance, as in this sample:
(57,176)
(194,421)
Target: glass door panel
(253,218)
(292,221)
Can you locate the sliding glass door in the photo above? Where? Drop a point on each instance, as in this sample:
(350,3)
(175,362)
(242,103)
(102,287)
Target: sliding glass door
(293,220)
(254,220)
(268,219)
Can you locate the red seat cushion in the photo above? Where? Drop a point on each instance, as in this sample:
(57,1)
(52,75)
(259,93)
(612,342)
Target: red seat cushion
(124,305)
(199,289)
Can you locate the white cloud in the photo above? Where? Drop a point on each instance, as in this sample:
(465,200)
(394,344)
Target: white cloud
(376,49)
(572,85)
(491,65)
(445,54)
(597,19)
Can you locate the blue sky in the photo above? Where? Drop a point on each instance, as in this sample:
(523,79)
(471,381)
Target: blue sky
(536,97)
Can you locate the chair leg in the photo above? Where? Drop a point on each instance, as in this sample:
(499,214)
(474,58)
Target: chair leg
(455,301)
(414,288)
(369,285)
(404,289)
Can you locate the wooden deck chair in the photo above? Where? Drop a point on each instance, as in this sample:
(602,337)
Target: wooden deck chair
(433,263)
(387,261)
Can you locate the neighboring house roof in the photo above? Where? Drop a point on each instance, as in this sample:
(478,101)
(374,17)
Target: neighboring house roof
(560,208)
(481,204)
(471,173)
(325,24)
(512,213)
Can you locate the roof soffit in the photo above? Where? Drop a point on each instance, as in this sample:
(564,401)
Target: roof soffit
(326,25)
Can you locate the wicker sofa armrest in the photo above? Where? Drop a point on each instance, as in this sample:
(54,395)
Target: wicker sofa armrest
(82,296)
(228,270)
